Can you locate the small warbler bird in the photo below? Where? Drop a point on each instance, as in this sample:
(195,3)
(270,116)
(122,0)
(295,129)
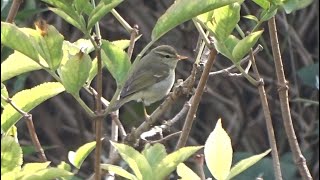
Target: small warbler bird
(152,77)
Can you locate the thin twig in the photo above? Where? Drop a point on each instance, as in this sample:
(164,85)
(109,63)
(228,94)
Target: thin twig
(31,129)
(166,138)
(284,103)
(197,97)
(267,115)
(228,69)
(134,34)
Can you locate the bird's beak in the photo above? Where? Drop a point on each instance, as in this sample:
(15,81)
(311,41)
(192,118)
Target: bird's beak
(181,57)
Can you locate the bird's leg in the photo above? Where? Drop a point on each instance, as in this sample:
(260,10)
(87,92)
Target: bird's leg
(146,115)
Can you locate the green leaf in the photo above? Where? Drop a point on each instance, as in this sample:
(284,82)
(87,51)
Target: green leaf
(64,165)
(293,5)
(16,64)
(154,154)
(69,50)
(122,44)
(83,6)
(77,158)
(30,168)
(221,21)
(226,47)
(246,163)
(310,75)
(183,10)
(35,96)
(245,44)
(74,21)
(14,38)
(251,17)
(116,61)
(47,174)
(186,173)
(137,162)
(265,4)
(101,10)
(75,72)
(66,7)
(11,155)
(52,46)
(119,171)
(218,152)
(4,93)
(170,162)
(268,13)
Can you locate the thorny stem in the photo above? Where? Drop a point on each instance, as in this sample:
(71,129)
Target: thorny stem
(284,102)
(266,111)
(99,117)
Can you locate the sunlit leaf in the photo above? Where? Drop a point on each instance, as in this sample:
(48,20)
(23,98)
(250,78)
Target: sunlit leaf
(183,10)
(186,173)
(171,161)
(35,95)
(245,164)
(218,152)
(77,158)
(245,44)
(11,155)
(75,72)
(137,162)
(102,9)
(14,38)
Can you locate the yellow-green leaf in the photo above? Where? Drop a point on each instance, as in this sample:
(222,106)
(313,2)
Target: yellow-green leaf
(186,173)
(102,9)
(246,163)
(16,64)
(245,44)
(116,61)
(14,38)
(77,158)
(11,155)
(221,21)
(35,96)
(183,10)
(137,162)
(170,162)
(75,72)
(119,171)
(218,152)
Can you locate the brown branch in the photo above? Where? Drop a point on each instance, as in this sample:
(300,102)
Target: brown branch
(284,103)
(196,100)
(199,161)
(31,129)
(13,10)
(165,138)
(99,118)
(267,115)
(134,33)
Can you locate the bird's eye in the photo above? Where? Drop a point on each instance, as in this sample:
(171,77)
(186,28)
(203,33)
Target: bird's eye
(167,56)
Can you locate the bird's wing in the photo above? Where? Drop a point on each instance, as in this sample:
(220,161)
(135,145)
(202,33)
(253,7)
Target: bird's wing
(141,79)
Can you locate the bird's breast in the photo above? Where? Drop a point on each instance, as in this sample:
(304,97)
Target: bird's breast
(159,90)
